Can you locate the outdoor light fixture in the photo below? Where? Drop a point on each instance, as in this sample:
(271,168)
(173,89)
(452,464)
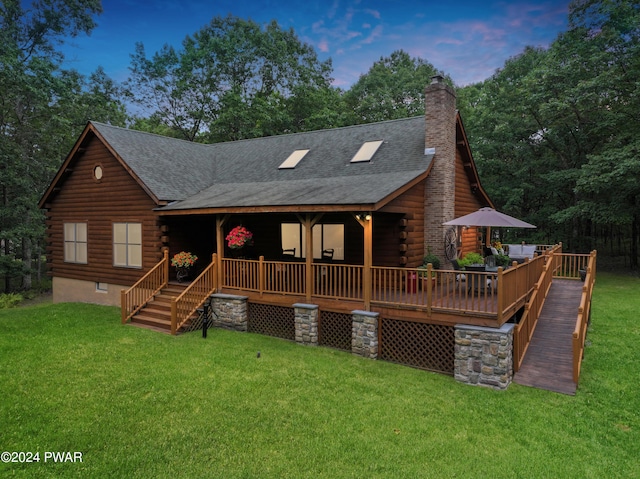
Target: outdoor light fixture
(364,216)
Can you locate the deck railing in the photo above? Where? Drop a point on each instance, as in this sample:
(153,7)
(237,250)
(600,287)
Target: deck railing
(134,299)
(569,265)
(584,314)
(338,281)
(194,296)
(285,278)
(435,290)
(264,276)
(495,295)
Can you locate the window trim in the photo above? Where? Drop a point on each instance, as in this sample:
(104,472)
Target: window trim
(128,261)
(76,243)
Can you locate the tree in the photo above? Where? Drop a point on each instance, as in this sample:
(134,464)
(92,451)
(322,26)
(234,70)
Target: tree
(41,108)
(554,130)
(392,88)
(607,34)
(232,79)
(507,137)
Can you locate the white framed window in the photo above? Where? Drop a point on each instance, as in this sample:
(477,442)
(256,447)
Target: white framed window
(127,245)
(325,237)
(75,243)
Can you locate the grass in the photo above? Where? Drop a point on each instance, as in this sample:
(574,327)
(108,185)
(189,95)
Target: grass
(142,404)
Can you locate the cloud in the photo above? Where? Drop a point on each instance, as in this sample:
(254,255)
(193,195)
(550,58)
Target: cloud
(373,13)
(535,15)
(374,35)
(323,46)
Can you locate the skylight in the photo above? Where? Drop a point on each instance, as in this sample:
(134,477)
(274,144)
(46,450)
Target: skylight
(294,159)
(366,151)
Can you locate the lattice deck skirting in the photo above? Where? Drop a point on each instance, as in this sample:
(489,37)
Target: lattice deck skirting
(426,346)
(270,320)
(335,330)
(421,345)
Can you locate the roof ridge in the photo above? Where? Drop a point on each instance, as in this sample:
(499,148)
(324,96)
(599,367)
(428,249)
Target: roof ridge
(284,135)
(142,132)
(300,133)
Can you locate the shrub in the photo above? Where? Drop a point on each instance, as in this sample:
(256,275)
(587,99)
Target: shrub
(10,300)
(433,259)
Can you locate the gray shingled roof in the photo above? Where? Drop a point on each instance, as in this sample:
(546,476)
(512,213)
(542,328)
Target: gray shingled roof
(172,169)
(245,173)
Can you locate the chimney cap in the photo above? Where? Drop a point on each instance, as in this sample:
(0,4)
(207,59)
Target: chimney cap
(437,79)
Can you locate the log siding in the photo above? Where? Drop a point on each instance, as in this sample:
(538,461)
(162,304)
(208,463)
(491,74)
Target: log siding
(115,198)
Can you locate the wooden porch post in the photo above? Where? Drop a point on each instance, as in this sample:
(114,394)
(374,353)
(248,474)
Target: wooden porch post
(165,268)
(366,221)
(308,222)
(220,221)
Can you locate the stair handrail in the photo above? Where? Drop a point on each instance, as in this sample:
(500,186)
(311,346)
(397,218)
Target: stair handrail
(194,296)
(137,296)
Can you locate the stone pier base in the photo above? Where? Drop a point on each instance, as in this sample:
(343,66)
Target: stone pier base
(484,356)
(229,311)
(364,337)
(306,319)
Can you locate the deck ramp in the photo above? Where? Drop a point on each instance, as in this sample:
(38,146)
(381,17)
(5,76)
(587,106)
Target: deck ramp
(548,362)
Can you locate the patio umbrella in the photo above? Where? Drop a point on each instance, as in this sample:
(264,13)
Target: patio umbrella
(489,217)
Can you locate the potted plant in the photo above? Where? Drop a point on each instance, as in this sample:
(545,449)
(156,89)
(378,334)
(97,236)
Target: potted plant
(183,261)
(435,264)
(471,258)
(503,260)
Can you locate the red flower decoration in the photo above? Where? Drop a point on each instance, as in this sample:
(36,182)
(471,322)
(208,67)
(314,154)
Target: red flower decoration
(239,237)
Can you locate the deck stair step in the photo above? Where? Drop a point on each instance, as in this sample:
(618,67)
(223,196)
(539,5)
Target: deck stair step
(156,314)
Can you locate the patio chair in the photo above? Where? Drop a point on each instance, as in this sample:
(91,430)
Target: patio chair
(327,254)
(289,253)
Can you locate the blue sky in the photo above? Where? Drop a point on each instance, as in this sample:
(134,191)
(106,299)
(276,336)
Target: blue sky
(467,39)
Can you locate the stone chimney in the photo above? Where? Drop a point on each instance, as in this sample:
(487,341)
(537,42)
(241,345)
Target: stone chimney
(440,139)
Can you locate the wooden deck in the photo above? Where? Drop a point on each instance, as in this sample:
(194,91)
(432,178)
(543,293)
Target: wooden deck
(548,363)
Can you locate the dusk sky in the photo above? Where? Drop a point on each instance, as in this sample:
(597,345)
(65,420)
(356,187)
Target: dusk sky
(466,39)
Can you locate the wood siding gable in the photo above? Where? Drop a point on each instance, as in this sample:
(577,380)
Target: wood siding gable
(76,196)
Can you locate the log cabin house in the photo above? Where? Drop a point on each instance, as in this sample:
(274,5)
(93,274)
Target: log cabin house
(355,209)
(121,197)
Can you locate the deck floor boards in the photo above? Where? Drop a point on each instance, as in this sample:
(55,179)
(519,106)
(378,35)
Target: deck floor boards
(548,363)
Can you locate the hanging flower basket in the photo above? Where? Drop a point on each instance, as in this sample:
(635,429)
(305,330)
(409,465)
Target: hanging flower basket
(239,237)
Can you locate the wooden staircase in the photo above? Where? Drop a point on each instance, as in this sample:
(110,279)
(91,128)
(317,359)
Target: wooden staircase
(156,314)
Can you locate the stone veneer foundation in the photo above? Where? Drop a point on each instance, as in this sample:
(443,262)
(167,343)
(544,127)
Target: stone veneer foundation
(364,336)
(306,320)
(229,311)
(484,356)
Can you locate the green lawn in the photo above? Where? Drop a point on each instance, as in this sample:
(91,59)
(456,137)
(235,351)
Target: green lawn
(137,403)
